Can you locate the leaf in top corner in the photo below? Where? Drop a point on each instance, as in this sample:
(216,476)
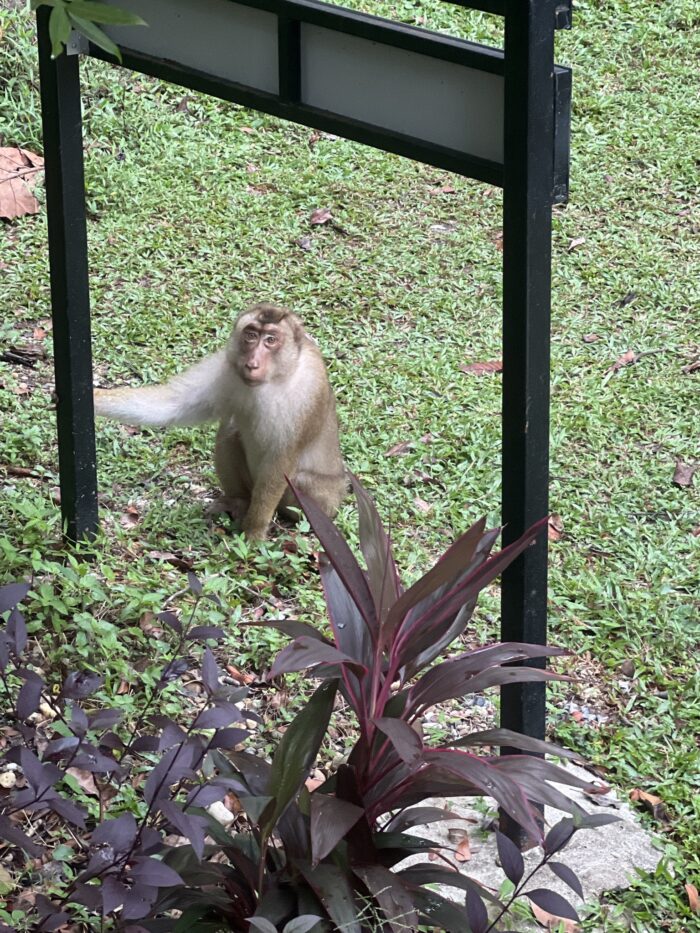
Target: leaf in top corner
(98,12)
(553,903)
(406,741)
(95,35)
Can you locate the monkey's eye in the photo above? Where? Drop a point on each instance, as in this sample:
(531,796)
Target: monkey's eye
(250,336)
(271,340)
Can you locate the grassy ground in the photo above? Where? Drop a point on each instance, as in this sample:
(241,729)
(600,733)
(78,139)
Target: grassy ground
(196,208)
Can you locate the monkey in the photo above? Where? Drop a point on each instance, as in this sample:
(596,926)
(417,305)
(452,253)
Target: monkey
(269,390)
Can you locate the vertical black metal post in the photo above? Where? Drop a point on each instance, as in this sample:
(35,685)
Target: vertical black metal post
(70,295)
(527,220)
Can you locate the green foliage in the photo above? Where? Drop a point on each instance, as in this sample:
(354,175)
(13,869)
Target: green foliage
(83,16)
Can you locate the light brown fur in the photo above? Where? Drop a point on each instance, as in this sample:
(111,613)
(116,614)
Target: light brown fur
(270,392)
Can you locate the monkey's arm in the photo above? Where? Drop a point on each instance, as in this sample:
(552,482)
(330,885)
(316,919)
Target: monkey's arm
(194,396)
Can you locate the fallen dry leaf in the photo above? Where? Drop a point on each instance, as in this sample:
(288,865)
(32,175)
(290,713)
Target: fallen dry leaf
(322,215)
(577,241)
(148,626)
(627,359)
(177,560)
(650,802)
(483,369)
(130,517)
(304,242)
(691,367)
(85,780)
(422,505)
(399,449)
(38,333)
(693,899)
(683,474)
(17,168)
(555,528)
(444,189)
(591,338)
(460,839)
(239,676)
(552,922)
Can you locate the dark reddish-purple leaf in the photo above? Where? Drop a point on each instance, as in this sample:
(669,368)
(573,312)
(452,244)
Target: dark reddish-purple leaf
(450,565)
(218,717)
(146,743)
(68,811)
(194,583)
(533,774)
(113,893)
(80,684)
(454,678)
(490,781)
(330,821)
(376,548)
(118,834)
(228,738)
(190,825)
(202,632)
(592,820)
(553,903)
(104,718)
(12,594)
(262,925)
(152,872)
(559,835)
(302,924)
(171,620)
(297,752)
(405,740)
(210,671)
(332,887)
(425,873)
(342,558)
(420,631)
(29,695)
(39,776)
(510,857)
(506,737)
(171,735)
(204,795)
(16,631)
(418,816)
(305,652)
(392,896)
(175,764)
(437,913)
(138,902)
(568,876)
(291,627)
(10,832)
(476,912)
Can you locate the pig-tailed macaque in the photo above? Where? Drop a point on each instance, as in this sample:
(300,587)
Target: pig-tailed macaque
(270,392)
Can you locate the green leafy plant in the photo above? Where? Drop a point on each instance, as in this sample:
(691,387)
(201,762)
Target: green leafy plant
(83,16)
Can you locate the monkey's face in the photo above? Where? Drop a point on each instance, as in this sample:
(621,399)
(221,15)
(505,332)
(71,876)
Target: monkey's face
(260,352)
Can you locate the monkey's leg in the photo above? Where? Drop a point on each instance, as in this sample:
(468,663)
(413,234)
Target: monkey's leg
(268,490)
(328,489)
(233,473)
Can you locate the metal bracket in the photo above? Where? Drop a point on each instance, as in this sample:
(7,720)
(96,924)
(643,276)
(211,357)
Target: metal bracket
(563,14)
(77,44)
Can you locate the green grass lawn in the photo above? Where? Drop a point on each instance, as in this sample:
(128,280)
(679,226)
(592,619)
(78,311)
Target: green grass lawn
(196,208)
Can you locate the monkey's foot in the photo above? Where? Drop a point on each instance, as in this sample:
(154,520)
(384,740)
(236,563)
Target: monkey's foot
(235,508)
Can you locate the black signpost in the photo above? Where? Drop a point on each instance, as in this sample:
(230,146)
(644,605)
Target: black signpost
(498,116)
